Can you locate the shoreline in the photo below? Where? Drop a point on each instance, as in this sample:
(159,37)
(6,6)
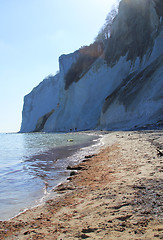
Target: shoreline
(116,194)
(55,157)
(45,166)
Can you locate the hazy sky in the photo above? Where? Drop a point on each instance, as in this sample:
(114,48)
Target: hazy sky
(33,34)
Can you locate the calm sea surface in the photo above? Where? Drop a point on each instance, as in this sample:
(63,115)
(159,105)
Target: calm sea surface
(28,161)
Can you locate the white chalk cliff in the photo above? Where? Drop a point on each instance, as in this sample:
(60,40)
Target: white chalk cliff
(116,85)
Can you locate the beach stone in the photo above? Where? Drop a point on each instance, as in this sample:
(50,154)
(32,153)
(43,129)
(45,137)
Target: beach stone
(27,232)
(73,173)
(90,156)
(84,236)
(88,230)
(124,218)
(76,167)
(64,187)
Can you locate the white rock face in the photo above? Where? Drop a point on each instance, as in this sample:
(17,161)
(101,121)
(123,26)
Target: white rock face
(40,101)
(121,93)
(138,102)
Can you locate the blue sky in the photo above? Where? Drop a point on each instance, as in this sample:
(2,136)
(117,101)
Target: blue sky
(33,34)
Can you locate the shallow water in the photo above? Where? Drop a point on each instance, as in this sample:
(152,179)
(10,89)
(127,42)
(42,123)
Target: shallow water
(29,161)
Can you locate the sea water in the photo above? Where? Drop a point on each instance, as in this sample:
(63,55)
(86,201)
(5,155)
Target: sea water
(32,164)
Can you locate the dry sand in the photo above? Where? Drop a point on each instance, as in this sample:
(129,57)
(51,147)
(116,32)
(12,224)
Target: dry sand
(116,194)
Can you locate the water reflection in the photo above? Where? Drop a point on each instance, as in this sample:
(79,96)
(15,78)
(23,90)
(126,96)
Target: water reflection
(50,163)
(28,162)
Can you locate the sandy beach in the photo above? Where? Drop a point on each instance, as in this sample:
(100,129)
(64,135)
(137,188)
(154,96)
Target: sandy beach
(115,194)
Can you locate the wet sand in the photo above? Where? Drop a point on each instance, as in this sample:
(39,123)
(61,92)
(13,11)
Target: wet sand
(116,194)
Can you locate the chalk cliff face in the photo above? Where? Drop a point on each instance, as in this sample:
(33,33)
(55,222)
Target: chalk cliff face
(116,85)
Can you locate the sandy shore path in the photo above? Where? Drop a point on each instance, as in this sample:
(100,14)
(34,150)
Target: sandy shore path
(116,194)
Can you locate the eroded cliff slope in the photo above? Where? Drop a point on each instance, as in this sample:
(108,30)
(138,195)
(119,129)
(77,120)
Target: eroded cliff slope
(113,85)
